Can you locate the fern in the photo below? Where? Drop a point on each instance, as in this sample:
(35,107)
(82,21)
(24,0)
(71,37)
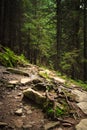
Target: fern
(9,59)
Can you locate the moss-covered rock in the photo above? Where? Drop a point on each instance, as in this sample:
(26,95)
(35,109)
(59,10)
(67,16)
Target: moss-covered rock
(17,71)
(34,96)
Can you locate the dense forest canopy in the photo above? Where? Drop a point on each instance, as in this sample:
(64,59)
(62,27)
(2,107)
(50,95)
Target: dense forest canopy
(52,33)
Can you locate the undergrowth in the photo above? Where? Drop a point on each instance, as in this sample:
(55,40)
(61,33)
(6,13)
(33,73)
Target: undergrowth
(9,59)
(69,81)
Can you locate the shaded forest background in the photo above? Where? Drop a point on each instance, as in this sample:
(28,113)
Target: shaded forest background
(51,33)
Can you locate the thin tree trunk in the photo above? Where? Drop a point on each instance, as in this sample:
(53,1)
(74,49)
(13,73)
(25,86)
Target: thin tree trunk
(58,13)
(1,19)
(85,40)
(75,38)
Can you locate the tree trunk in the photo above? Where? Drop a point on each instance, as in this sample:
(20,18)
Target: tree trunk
(75,37)
(1,19)
(58,15)
(85,40)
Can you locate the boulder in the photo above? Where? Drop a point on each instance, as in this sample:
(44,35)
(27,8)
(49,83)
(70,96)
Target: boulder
(80,96)
(17,71)
(19,112)
(13,82)
(25,81)
(83,106)
(82,125)
(51,125)
(58,79)
(34,96)
(33,79)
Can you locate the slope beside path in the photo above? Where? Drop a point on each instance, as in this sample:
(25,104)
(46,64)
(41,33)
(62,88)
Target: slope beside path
(35,98)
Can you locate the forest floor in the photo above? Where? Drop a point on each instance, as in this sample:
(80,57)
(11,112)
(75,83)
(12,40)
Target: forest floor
(18,113)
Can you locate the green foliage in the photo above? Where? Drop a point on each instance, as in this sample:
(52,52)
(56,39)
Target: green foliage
(59,112)
(70,81)
(44,74)
(69,61)
(37,32)
(22,59)
(48,108)
(39,29)
(9,59)
(50,112)
(80,83)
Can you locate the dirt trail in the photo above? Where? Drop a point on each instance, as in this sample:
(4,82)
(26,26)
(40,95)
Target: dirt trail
(30,117)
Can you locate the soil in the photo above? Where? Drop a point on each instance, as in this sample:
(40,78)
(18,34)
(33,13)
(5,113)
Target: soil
(32,117)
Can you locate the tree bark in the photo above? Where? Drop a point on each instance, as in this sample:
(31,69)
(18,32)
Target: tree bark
(1,19)
(58,15)
(85,40)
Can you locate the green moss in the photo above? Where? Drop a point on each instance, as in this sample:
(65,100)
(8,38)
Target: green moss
(59,111)
(44,74)
(50,112)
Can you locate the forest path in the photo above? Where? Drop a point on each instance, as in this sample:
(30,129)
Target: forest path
(18,113)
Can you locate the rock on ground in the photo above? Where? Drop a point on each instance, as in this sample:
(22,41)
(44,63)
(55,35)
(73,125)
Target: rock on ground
(14,82)
(58,79)
(17,71)
(25,80)
(80,96)
(82,125)
(3,124)
(19,112)
(51,125)
(18,123)
(83,106)
(34,96)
